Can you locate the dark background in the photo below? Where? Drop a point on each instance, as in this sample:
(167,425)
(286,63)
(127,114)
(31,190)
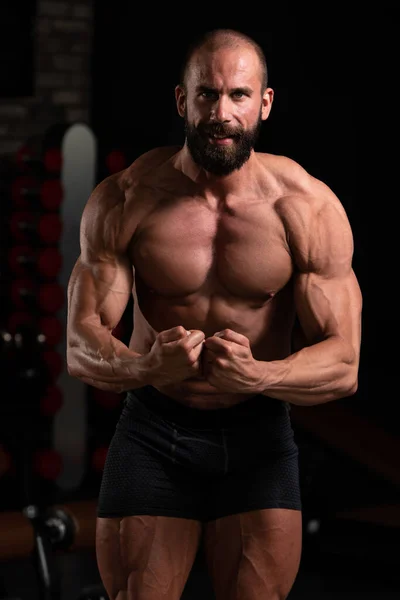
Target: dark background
(345,447)
(17,48)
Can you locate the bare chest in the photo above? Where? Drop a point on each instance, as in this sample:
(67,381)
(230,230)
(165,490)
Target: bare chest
(185,249)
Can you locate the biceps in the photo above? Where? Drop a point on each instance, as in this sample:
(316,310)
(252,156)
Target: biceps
(329,307)
(99,293)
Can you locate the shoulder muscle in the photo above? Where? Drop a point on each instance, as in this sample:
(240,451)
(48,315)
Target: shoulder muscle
(318,231)
(102,232)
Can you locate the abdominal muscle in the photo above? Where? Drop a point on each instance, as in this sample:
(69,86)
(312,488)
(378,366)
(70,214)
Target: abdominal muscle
(267,341)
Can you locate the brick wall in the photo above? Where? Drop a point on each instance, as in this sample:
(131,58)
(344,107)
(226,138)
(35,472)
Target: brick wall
(63,45)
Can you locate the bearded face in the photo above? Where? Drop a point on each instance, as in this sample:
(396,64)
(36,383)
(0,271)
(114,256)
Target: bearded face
(220,148)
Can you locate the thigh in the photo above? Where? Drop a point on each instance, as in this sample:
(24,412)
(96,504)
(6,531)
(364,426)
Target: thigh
(255,554)
(146,557)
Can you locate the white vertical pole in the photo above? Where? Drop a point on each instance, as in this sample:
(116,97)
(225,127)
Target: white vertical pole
(79,150)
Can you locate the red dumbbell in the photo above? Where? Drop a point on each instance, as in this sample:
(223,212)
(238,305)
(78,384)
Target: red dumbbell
(47,326)
(26,337)
(18,321)
(46,261)
(116,161)
(51,402)
(27,157)
(52,329)
(47,463)
(26,227)
(48,297)
(53,160)
(54,363)
(27,189)
(24,155)
(6,341)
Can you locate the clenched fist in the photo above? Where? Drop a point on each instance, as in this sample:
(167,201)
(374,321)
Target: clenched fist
(174,357)
(229,365)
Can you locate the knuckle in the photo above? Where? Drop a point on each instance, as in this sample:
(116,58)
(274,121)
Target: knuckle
(193,356)
(190,358)
(184,346)
(163,337)
(182,350)
(165,349)
(224,332)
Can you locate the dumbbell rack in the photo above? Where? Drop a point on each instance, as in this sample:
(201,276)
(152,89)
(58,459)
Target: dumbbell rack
(31,195)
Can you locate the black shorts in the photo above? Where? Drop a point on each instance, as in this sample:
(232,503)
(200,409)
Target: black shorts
(167,459)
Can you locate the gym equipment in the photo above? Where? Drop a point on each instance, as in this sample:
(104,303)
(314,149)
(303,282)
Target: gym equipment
(46,262)
(28,191)
(27,158)
(28,227)
(115,161)
(47,463)
(41,533)
(47,297)
(46,328)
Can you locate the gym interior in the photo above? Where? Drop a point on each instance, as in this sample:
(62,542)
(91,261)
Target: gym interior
(86,87)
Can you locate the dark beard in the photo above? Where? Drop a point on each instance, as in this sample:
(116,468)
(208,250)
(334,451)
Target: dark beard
(220,160)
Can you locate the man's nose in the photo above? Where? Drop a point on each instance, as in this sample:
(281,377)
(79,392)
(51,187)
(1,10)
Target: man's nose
(221,110)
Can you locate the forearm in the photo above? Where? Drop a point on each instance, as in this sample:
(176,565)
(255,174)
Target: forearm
(316,374)
(99,359)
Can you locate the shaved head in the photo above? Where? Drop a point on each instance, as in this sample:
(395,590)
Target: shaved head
(223,97)
(218,39)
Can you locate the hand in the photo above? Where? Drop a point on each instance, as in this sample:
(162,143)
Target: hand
(173,357)
(229,365)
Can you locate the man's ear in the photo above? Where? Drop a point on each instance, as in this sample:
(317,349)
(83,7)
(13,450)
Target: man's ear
(180,98)
(267,99)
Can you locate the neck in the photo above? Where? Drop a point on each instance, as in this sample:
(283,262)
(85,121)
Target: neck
(215,184)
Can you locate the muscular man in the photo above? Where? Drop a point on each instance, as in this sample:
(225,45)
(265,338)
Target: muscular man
(224,249)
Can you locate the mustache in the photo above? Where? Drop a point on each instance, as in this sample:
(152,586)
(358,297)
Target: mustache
(219,129)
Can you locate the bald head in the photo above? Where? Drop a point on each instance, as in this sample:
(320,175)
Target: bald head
(220,39)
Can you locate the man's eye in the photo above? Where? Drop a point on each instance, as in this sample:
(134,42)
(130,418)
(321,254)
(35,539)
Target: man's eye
(238,94)
(208,94)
